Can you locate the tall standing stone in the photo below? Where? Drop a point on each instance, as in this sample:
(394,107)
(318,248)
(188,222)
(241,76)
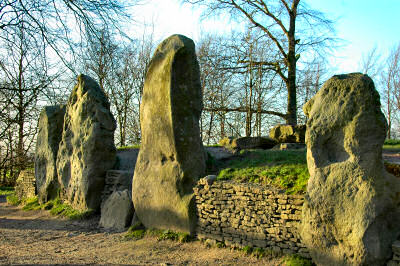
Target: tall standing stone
(87,147)
(351,211)
(50,126)
(171,157)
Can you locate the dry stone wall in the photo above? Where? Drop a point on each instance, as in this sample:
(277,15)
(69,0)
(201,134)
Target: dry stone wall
(26,184)
(249,215)
(116,180)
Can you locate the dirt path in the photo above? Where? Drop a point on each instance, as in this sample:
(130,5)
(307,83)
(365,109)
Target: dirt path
(35,237)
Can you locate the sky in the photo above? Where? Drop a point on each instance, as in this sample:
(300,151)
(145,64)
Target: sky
(360,25)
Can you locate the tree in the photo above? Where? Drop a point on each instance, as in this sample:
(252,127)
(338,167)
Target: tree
(24,78)
(120,68)
(370,63)
(391,87)
(280,21)
(63,24)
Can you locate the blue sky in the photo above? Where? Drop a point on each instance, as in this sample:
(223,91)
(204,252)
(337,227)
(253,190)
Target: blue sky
(361,24)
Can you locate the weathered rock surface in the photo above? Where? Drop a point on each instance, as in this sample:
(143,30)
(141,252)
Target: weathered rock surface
(288,133)
(171,157)
(241,143)
(117,211)
(87,148)
(50,125)
(351,211)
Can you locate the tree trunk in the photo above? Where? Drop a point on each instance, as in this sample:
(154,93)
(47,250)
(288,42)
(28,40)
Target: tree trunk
(291,118)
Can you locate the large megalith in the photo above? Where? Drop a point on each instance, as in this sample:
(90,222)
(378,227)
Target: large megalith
(50,127)
(351,211)
(171,157)
(87,147)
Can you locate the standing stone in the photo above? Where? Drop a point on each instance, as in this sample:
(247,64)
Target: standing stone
(87,148)
(351,211)
(171,157)
(50,125)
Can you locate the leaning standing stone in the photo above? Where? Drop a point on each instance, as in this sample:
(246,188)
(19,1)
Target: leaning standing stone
(351,211)
(87,148)
(50,125)
(171,157)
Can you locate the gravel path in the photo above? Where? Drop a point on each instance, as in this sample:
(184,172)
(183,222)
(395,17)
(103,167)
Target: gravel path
(35,237)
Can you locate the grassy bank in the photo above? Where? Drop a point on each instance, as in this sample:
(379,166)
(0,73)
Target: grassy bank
(283,169)
(56,207)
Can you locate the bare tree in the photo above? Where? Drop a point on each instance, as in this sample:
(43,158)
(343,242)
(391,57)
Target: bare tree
(63,24)
(390,79)
(370,63)
(24,78)
(279,21)
(120,67)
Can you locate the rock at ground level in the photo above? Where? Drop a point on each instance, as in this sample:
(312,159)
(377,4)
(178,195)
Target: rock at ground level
(241,143)
(25,184)
(87,148)
(117,211)
(50,125)
(351,211)
(171,157)
(288,133)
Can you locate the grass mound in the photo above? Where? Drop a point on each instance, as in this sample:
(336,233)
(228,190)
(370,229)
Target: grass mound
(283,169)
(135,146)
(391,144)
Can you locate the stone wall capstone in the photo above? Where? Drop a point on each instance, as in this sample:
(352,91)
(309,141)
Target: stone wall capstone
(87,147)
(242,215)
(171,157)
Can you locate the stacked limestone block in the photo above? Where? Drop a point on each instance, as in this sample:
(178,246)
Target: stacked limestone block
(249,215)
(395,261)
(26,184)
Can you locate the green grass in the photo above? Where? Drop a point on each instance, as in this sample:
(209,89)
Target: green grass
(175,236)
(135,234)
(135,146)
(31,204)
(391,144)
(138,232)
(213,145)
(283,169)
(6,191)
(57,207)
(247,250)
(297,260)
(13,200)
